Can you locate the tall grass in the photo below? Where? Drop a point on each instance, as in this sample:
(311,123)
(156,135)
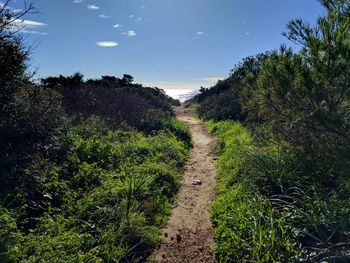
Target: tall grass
(234,140)
(270,209)
(247,228)
(112,195)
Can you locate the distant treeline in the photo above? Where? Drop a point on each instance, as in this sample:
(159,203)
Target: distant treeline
(284,178)
(115,99)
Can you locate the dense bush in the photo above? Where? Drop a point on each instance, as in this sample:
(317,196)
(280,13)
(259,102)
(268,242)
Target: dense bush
(270,209)
(105,200)
(226,100)
(117,100)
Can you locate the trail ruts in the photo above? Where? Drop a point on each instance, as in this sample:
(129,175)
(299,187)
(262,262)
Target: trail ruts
(188,236)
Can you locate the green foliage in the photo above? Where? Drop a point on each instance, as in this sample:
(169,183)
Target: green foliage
(305,96)
(118,101)
(180,130)
(35,119)
(247,228)
(105,202)
(226,99)
(13,59)
(233,141)
(220,102)
(271,208)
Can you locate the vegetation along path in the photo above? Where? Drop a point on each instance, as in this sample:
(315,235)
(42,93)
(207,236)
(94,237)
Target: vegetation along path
(188,236)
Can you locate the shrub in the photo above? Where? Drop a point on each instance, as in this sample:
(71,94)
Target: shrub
(267,192)
(105,201)
(227,99)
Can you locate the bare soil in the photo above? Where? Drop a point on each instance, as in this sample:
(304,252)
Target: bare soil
(188,236)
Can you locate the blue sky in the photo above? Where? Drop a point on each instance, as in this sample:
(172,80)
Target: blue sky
(178,44)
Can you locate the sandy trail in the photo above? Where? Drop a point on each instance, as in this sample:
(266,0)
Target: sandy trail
(188,235)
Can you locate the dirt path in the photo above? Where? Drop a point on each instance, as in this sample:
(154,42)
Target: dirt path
(188,236)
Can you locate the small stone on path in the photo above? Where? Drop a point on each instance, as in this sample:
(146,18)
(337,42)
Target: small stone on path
(197,182)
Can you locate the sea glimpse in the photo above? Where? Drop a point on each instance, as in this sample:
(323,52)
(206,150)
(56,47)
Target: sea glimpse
(182,94)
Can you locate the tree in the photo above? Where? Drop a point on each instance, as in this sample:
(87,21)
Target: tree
(305,96)
(13,55)
(226,99)
(29,115)
(127,80)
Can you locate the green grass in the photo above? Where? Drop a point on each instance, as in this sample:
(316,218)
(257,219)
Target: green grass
(234,140)
(245,226)
(269,209)
(112,196)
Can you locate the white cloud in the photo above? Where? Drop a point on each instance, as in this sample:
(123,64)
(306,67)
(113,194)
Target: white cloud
(107,44)
(139,20)
(104,16)
(34,32)
(247,34)
(131,33)
(117,26)
(27,26)
(131,16)
(28,23)
(77,1)
(92,7)
(200,33)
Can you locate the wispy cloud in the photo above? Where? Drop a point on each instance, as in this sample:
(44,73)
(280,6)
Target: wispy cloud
(27,26)
(131,33)
(104,16)
(131,16)
(248,34)
(34,32)
(139,20)
(143,7)
(200,33)
(117,26)
(28,23)
(77,1)
(92,7)
(107,43)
